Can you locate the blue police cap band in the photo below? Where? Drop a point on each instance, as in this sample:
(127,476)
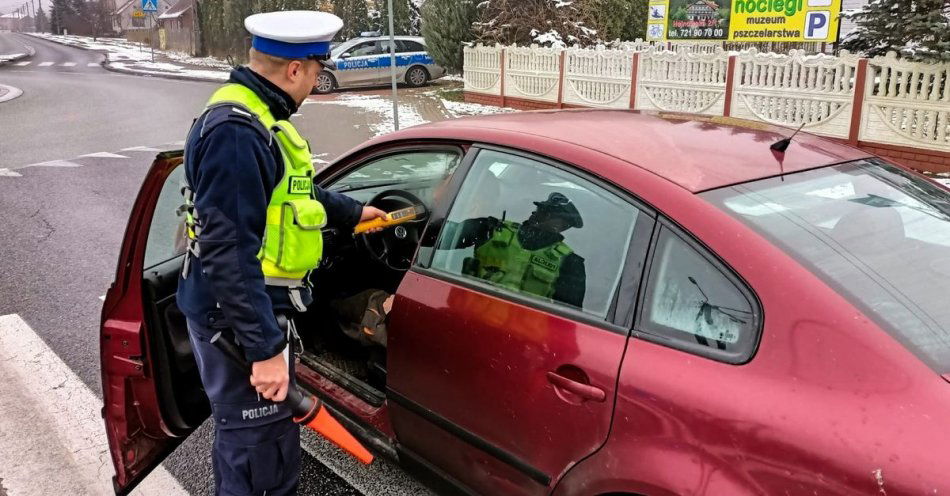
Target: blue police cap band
(290,50)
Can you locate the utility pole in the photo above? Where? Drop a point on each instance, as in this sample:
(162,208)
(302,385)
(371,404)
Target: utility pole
(392,66)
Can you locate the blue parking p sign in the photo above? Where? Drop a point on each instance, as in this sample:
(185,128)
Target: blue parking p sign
(149,5)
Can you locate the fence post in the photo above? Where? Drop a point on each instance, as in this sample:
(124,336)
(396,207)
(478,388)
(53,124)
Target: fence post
(560,81)
(730,84)
(857,105)
(502,76)
(634,80)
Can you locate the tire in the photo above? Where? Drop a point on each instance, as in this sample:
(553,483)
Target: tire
(326,83)
(417,76)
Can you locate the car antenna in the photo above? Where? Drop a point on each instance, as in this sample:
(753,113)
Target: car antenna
(782,144)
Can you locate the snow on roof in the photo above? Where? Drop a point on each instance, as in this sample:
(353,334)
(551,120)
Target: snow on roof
(124,6)
(176,10)
(14,15)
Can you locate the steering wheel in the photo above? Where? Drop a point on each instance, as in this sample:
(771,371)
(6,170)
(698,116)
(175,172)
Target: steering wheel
(395,246)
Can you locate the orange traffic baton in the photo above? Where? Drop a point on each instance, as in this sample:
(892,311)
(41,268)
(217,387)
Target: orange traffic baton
(308,410)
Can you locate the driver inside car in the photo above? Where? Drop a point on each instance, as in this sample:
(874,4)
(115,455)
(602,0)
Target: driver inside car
(530,257)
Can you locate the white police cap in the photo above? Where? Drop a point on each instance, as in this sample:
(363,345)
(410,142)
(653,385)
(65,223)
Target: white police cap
(294,34)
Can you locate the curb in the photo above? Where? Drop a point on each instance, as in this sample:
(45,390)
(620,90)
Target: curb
(30,51)
(122,70)
(106,64)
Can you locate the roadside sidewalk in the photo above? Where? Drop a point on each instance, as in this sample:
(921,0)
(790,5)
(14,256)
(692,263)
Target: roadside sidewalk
(133,58)
(9,58)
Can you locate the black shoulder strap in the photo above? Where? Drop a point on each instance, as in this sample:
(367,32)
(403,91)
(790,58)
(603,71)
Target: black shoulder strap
(230,112)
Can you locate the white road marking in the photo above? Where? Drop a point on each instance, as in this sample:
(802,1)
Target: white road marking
(141,149)
(11,93)
(51,435)
(53,163)
(9,173)
(92,64)
(102,155)
(45,64)
(21,64)
(68,64)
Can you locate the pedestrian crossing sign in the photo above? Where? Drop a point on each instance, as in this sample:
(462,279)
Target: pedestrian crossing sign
(149,5)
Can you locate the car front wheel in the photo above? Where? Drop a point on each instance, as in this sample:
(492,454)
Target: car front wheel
(417,76)
(326,83)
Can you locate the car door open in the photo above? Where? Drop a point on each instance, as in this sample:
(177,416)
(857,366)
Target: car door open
(150,384)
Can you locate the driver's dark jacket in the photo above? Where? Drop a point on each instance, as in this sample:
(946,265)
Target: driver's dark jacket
(233,167)
(571,284)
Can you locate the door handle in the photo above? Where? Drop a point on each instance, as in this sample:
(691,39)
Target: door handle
(585,391)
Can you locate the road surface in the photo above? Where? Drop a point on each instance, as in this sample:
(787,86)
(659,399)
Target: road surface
(74,148)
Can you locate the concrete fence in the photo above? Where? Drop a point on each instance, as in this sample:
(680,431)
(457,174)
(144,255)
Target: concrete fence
(891,107)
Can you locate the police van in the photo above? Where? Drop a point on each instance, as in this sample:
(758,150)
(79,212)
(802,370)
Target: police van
(365,61)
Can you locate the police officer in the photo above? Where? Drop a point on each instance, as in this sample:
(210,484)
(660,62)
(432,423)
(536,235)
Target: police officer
(528,257)
(253,219)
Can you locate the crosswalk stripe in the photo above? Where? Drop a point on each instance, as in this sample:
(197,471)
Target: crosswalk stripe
(103,155)
(92,64)
(45,64)
(68,64)
(21,64)
(52,435)
(141,149)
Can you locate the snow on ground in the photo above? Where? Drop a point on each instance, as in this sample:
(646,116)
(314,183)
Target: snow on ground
(129,55)
(408,115)
(462,109)
(383,107)
(164,69)
(10,56)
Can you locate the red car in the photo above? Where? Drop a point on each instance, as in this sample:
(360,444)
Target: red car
(595,302)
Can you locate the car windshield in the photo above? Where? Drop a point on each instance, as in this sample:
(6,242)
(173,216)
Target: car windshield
(876,233)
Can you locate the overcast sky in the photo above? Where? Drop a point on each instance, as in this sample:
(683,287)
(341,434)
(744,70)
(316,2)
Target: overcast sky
(7,6)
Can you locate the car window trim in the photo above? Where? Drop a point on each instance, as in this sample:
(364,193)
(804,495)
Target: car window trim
(441,208)
(623,308)
(512,297)
(620,312)
(361,160)
(664,223)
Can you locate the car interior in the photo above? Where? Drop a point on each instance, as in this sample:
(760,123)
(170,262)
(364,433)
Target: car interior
(357,272)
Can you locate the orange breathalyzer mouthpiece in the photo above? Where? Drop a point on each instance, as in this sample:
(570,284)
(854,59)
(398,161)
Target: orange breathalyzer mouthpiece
(328,427)
(392,219)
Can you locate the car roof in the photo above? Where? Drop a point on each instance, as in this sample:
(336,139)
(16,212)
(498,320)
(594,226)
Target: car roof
(696,152)
(385,37)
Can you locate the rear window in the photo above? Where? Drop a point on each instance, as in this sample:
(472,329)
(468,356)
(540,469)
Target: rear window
(876,233)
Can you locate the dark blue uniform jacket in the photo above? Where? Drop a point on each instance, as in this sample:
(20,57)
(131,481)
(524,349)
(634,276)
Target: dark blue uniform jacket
(233,167)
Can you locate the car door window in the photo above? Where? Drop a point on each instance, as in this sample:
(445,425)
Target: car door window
(418,172)
(520,226)
(694,303)
(166,236)
(366,48)
(406,46)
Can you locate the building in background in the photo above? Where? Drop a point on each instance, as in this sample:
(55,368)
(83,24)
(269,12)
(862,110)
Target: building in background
(15,21)
(177,28)
(128,16)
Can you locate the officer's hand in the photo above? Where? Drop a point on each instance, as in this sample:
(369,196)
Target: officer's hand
(270,378)
(370,213)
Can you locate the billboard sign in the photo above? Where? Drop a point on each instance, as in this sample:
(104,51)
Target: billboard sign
(743,20)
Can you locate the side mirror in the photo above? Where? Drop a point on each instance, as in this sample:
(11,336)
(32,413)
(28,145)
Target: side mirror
(346,55)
